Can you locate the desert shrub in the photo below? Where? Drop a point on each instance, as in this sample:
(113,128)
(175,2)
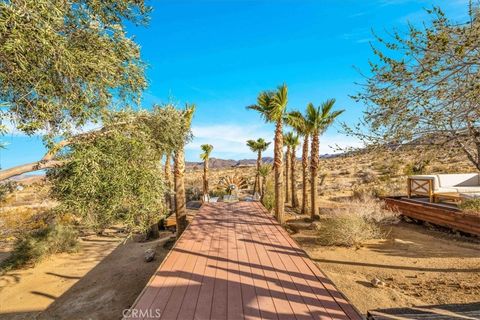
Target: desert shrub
(269,197)
(369,190)
(219,192)
(39,244)
(367,176)
(6,188)
(353,222)
(192,194)
(416,167)
(471,206)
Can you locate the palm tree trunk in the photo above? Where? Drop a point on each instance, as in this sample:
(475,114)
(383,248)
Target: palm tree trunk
(205,179)
(292,177)
(287,172)
(168,181)
(304,175)
(257,176)
(314,170)
(180,206)
(278,166)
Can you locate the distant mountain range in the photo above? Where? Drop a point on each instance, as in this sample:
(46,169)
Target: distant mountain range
(216,163)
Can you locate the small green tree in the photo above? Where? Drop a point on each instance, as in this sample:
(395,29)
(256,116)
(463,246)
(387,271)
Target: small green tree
(112,178)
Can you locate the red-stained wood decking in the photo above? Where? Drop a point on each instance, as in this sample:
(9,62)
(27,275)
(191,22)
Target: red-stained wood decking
(236,262)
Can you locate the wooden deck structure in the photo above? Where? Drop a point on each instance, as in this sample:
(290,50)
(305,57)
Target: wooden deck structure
(444,215)
(235,261)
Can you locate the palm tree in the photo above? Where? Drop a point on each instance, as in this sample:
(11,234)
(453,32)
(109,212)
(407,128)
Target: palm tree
(258,146)
(179,176)
(272,106)
(264,171)
(319,119)
(292,142)
(207,149)
(302,127)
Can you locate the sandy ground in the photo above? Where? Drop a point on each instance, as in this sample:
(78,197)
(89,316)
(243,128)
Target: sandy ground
(98,282)
(417,267)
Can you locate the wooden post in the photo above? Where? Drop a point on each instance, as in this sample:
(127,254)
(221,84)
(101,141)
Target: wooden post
(409,187)
(430,189)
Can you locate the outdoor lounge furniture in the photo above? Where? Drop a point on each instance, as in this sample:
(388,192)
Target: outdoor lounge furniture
(446,186)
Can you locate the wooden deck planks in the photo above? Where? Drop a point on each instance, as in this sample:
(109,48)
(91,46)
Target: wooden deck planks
(235,261)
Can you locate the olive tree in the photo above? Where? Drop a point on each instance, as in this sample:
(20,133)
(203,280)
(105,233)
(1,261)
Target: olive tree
(63,63)
(424,87)
(116,174)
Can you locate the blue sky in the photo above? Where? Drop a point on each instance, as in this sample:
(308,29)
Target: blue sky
(220,54)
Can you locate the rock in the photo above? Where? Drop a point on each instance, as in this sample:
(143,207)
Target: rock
(149,255)
(377,283)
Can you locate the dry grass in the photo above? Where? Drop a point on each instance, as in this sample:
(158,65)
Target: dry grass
(353,222)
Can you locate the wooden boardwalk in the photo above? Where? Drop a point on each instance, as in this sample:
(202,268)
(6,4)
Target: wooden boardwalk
(236,262)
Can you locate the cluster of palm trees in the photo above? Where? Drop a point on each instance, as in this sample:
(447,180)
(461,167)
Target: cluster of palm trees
(272,106)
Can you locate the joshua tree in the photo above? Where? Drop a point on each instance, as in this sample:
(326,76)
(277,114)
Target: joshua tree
(292,142)
(205,156)
(179,173)
(264,171)
(301,125)
(319,120)
(272,107)
(258,146)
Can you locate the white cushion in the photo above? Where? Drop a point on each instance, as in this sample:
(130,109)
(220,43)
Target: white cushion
(470,195)
(445,189)
(467,189)
(459,180)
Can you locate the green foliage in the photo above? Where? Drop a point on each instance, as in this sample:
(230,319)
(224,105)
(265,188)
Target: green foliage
(207,149)
(272,105)
(268,199)
(115,175)
(291,140)
(471,206)
(63,61)
(259,145)
(39,244)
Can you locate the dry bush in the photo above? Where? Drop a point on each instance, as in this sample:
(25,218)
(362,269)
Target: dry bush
(367,176)
(353,222)
(471,206)
(37,245)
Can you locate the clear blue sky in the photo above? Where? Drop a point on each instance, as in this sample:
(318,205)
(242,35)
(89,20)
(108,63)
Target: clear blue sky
(220,53)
